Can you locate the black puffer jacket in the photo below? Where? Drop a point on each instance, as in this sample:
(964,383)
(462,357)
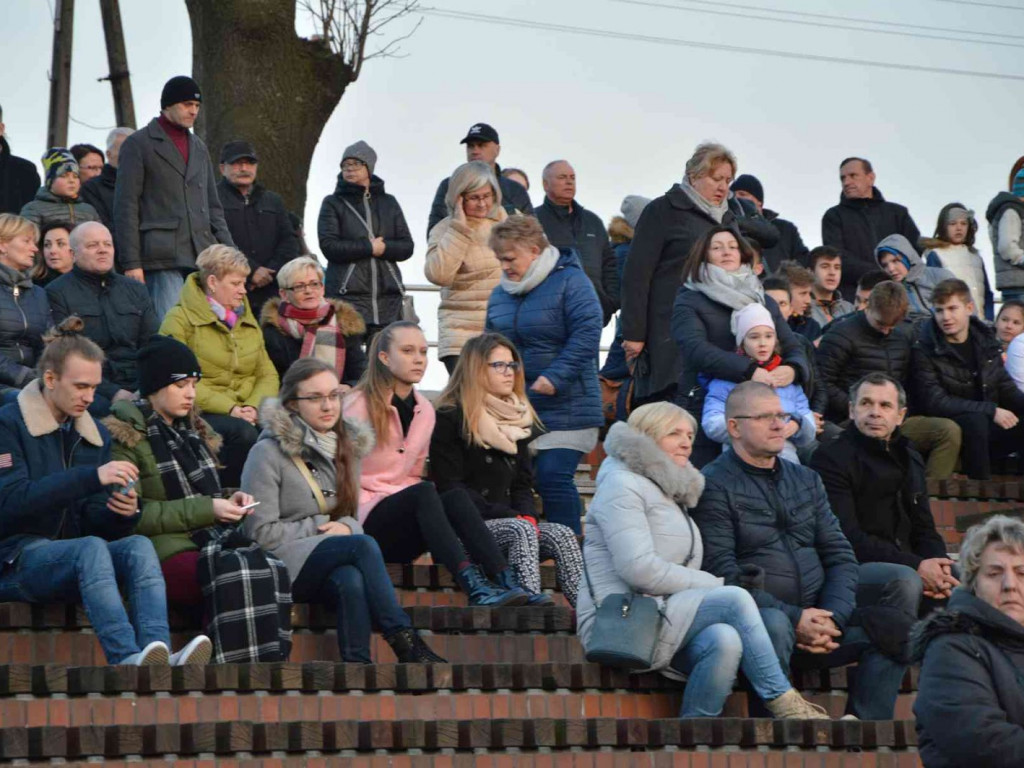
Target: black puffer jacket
(777,519)
(24,318)
(945,386)
(849,349)
(970,699)
(372,285)
(814,385)
(19,180)
(118,315)
(99,193)
(790,245)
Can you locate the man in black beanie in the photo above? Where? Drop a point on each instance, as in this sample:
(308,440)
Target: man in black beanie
(791,245)
(166,208)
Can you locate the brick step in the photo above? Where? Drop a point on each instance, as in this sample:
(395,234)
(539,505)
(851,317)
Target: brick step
(953,516)
(1001,487)
(895,737)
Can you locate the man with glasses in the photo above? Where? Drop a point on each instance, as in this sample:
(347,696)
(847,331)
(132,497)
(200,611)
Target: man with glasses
(766,525)
(257,220)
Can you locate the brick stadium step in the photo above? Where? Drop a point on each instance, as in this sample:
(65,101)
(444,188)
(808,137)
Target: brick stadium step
(959,504)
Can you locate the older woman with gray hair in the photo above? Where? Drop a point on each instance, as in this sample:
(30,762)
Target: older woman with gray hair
(665,233)
(970,700)
(304,323)
(460,260)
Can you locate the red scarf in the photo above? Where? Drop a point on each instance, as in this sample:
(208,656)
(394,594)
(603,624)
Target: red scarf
(318,329)
(770,364)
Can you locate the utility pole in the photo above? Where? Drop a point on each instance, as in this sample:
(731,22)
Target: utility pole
(117,61)
(60,74)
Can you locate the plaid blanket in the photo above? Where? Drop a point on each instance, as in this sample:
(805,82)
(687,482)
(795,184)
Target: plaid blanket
(246,594)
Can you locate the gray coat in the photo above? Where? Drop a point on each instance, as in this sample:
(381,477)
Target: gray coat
(286,520)
(165,212)
(639,534)
(46,208)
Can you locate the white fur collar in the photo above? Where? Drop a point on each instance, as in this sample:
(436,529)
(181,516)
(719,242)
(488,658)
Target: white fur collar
(643,456)
(39,419)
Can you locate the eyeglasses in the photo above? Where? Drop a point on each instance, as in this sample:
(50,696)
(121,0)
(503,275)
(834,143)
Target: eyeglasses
(767,418)
(323,400)
(316,285)
(500,366)
(484,198)
(352,166)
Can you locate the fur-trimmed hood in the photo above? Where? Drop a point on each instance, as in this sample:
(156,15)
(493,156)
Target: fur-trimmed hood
(619,231)
(128,427)
(966,614)
(640,454)
(40,421)
(292,434)
(350,321)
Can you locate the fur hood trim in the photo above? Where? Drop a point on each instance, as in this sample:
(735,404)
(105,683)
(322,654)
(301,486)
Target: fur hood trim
(350,321)
(942,622)
(39,420)
(128,428)
(642,455)
(619,231)
(283,426)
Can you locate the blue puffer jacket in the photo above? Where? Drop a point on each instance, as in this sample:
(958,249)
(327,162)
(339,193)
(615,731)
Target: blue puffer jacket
(24,318)
(778,519)
(41,495)
(557,329)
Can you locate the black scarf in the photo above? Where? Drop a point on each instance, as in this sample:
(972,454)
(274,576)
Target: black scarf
(185,465)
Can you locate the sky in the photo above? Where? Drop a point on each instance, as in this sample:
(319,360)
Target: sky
(623,89)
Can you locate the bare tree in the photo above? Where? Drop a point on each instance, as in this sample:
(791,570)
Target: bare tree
(263,82)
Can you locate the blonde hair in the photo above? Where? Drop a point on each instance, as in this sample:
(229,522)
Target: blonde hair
(657,419)
(218,260)
(295,267)
(1000,530)
(705,157)
(11,226)
(466,385)
(517,230)
(377,383)
(470,177)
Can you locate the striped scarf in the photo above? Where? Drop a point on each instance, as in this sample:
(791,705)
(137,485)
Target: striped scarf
(185,465)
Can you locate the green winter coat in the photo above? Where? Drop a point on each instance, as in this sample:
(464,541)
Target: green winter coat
(236,367)
(167,523)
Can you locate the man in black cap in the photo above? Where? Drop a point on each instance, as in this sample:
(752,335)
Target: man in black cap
(791,245)
(257,219)
(166,208)
(482,144)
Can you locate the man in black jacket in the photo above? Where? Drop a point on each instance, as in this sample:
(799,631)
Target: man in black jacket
(876,487)
(482,144)
(568,224)
(860,222)
(19,179)
(790,245)
(99,191)
(257,220)
(958,373)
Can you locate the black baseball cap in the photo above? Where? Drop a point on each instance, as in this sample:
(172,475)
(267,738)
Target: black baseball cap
(481,132)
(234,151)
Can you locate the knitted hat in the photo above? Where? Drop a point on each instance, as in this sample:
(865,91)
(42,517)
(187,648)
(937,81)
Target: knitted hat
(751,316)
(1018,184)
(56,162)
(748,183)
(362,152)
(631,208)
(163,361)
(179,89)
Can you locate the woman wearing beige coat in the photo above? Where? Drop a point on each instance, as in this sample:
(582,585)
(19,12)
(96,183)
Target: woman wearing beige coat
(459,259)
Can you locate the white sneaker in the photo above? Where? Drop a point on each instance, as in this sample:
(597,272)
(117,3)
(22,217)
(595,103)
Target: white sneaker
(154,653)
(198,651)
(849,717)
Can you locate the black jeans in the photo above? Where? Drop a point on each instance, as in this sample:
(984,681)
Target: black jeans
(418,520)
(984,440)
(239,437)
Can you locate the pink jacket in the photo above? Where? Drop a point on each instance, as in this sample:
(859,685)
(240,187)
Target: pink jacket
(396,462)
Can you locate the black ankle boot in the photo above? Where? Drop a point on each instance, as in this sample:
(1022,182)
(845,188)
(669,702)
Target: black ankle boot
(481,592)
(409,648)
(508,580)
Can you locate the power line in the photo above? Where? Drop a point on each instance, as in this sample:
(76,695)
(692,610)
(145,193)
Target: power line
(828,24)
(677,42)
(983,5)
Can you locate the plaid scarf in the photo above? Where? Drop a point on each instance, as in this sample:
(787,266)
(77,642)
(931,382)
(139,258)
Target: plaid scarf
(185,465)
(318,329)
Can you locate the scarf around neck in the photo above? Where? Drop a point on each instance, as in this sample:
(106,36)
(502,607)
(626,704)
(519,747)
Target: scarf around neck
(227,316)
(185,465)
(770,364)
(537,273)
(503,422)
(318,330)
(716,212)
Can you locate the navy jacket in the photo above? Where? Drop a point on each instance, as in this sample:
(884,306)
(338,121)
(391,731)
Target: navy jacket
(778,519)
(557,329)
(41,495)
(24,318)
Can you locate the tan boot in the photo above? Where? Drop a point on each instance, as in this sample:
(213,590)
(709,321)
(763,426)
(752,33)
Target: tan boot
(792,706)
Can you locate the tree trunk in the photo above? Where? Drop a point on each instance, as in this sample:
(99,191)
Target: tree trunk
(263,83)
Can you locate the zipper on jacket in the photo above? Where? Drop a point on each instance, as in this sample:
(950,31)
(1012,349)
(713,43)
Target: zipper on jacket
(373,259)
(67,463)
(24,320)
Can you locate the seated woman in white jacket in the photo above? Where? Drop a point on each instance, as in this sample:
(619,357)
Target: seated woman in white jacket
(640,538)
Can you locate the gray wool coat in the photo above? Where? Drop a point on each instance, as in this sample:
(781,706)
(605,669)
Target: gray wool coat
(638,537)
(286,520)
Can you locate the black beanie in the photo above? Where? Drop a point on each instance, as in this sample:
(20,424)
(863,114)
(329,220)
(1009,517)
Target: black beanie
(162,362)
(179,89)
(748,183)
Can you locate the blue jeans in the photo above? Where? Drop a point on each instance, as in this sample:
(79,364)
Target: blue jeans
(89,570)
(347,573)
(727,633)
(554,472)
(164,286)
(878,676)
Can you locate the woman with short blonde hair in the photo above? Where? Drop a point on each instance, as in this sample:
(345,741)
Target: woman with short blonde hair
(24,308)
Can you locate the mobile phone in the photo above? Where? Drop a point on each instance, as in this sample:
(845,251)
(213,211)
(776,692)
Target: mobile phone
(128,488)
(250,506)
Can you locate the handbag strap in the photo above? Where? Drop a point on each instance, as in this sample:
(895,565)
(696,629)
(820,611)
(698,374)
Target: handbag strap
(318,493)
(387,264)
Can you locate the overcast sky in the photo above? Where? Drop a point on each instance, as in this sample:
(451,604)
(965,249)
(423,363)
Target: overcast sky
(625,109)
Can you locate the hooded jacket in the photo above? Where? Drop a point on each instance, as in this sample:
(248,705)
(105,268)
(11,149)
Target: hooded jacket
(970,697)
(856,226)
(1005,214)
(47,208)
(284,349)
(19,179)
(371,284)
(24,318)
(920,280)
